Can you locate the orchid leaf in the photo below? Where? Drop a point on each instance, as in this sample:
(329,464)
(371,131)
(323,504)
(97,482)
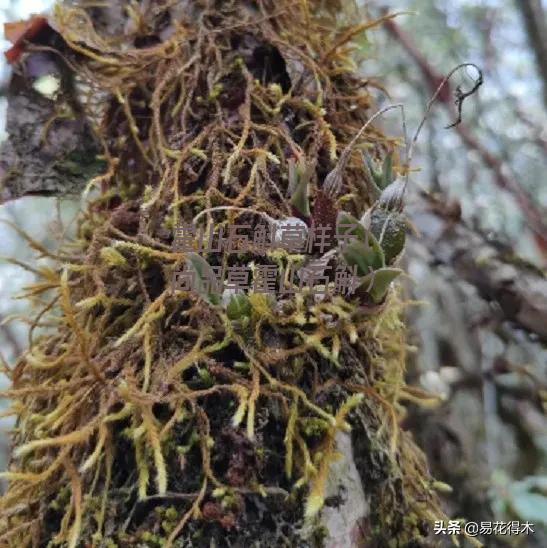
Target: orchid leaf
(377,176)
(387,171)
(377,283)
(238,307)
(299,178)
(348,224)
(367,255)
(206,280)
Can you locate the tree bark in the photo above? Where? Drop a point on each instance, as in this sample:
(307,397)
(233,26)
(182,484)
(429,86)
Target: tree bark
(516,286)
(50,149)
(109,470)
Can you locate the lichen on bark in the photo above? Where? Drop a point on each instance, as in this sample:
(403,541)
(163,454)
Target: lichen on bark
(153,416)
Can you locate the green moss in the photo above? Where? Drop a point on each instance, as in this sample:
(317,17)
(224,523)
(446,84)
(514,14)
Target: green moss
(111,379)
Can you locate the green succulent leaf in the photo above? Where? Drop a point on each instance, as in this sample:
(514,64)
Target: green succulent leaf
(299,179)
(238,307)
(528,498)
(206,376)
(377,283)
(367,255)
(387,171)
(344,219)
(204,279)
(377,176)
(390,228)
(392,195)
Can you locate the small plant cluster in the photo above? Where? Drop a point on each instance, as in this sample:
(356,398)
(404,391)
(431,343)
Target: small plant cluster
(148,416)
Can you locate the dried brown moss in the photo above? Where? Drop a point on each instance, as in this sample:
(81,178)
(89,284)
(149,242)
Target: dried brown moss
(147,415)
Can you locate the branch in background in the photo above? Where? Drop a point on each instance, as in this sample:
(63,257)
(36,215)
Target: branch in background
(533,216)
(537,131)
(519,288)
(432,77)
(533,17)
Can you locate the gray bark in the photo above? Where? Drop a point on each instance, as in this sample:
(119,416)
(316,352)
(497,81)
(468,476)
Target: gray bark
(500,276)
(50,149)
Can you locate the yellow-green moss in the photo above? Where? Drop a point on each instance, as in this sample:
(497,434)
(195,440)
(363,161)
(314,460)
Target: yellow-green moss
(131,388)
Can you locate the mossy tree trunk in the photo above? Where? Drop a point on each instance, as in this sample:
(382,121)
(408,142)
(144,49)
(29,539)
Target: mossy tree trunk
(155,416)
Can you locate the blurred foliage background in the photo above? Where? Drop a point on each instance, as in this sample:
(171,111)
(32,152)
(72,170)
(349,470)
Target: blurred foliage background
(488,437)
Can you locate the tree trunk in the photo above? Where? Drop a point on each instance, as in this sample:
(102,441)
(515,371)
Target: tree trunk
(155,416)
